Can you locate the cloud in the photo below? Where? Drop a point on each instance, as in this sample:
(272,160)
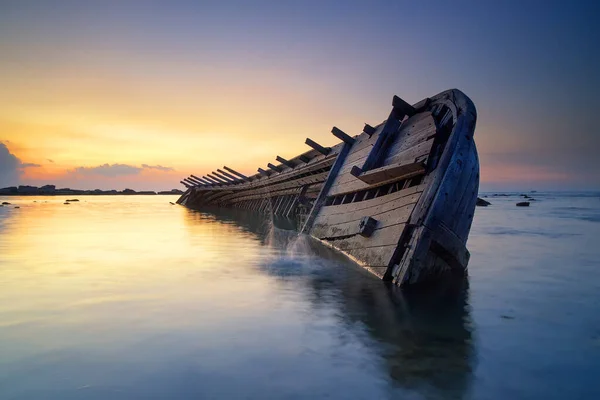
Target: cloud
(49,160)
(9,167)
(107,170)
(29,165)
(158,167)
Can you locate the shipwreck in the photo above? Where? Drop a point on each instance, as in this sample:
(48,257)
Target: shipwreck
(398,198)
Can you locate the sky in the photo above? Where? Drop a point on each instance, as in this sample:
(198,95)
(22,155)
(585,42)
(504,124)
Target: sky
(140,94)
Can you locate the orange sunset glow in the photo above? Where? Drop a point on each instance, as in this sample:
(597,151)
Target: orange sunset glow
(129,90)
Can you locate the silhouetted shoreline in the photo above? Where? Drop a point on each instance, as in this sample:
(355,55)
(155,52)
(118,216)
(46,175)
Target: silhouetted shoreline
(51,190)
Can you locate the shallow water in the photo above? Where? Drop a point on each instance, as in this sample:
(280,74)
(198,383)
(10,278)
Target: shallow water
(133,298)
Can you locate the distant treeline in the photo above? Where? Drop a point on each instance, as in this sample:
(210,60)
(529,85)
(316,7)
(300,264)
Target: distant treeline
(51,190)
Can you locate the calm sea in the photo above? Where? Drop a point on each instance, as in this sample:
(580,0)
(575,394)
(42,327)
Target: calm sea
(134,298)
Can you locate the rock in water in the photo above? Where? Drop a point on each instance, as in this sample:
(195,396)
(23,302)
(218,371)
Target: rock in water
(482,203)
(67,203)
(5,203)
(523,204)
(72,200)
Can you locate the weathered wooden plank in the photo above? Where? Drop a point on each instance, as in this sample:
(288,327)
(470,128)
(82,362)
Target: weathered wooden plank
(320,200)
(291,185)
(450,247)
(346,182)
(392,172)
(389,129)
(356,215)
(417,129)
(398,215)
(373,203)
(386,236)
(372,256)
(413,153)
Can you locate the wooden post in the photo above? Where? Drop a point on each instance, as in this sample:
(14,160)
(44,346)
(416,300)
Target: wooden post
(304,159)
(211,180)
(262,171)
(195,180)
(285,162)
(217,178)
(235,172)
(369,130)
(399,110)
(191,182)
(206,181)
(274,167)
(402,108)
(296,200)
(229,175)
(338,133)
(318,147)
(225,178)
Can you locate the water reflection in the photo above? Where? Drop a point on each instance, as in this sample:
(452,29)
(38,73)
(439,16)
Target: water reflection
(424,335)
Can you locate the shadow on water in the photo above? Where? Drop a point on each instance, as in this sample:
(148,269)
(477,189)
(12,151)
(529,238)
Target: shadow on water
(423,335)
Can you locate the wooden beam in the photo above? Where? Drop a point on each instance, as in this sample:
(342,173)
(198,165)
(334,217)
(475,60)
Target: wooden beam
(195,180)
(318,147)
(211,180)
(200,179)
(235,172)
(381,144)
(191,182)
(185,184)
(274,167)
(207,182)
(229,175)
(338,133)
(217,178)
(392,172)
(304,159)
(320,200)
(402,108)
(262,171)
(285,162)
(369,130)
(225,178)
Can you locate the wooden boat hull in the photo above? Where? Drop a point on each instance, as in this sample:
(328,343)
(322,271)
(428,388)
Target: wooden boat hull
(398,198)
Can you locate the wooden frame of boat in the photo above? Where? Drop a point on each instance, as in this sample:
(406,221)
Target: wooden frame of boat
(398,198)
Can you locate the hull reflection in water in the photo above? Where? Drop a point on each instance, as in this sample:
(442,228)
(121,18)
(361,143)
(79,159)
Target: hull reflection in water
(423,334)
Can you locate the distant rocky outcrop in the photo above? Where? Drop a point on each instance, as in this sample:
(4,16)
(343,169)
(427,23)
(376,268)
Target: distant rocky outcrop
(51,190)
(482,203)
(523,204)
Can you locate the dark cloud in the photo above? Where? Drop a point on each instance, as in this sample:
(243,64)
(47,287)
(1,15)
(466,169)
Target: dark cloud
(29,165)
(108,170)
(9,167)
(157,167)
